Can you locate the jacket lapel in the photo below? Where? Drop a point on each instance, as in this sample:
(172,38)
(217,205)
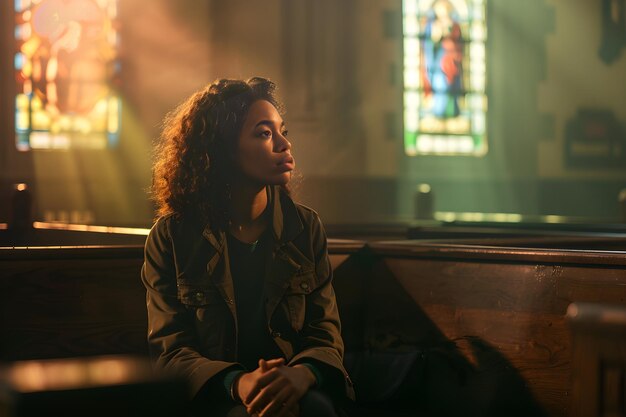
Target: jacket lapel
(286,260)
(218,268)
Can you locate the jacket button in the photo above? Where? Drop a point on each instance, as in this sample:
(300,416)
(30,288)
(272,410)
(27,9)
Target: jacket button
(199,296)
(275,334)
(304,286)
(229,300)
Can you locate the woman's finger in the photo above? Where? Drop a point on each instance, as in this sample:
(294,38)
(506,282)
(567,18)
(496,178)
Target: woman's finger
(268,377)
(276,361)
(271,363)
(265,395)
(262,380)
(277,404)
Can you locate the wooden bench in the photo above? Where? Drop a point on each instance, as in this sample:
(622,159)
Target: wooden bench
(71,301)
(60,302)
(503,307)
(488,321)
(599,361)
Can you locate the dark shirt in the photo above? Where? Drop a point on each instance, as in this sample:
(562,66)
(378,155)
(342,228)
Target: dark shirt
(247,267)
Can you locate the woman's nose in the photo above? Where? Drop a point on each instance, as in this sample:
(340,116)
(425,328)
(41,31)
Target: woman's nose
(282,144)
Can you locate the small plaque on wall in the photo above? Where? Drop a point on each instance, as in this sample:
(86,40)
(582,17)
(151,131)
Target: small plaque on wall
(595,139)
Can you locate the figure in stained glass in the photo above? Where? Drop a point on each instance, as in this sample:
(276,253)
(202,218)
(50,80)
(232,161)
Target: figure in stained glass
(445,105)
(72,56)
(443,57)
(66,69)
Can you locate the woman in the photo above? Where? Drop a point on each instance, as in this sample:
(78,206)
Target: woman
(238,281)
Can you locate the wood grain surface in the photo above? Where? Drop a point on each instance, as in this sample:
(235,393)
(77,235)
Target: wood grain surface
(489,319)
(60,302)
(513,307)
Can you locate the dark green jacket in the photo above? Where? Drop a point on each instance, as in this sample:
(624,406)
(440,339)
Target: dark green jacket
(192,320)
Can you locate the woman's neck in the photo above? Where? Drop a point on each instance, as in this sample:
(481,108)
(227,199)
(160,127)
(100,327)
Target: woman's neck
(247,208)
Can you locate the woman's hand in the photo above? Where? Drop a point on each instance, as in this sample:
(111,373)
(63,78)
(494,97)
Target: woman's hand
(279,390)
(248,384)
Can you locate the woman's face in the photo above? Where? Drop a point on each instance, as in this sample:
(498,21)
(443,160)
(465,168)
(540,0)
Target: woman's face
(264,153)
(442,9)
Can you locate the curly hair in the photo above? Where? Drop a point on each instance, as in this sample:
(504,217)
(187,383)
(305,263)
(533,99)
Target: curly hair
(191,168)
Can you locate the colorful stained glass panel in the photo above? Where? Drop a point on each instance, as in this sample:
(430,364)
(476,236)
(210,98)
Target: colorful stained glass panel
(67,73)
(445,102)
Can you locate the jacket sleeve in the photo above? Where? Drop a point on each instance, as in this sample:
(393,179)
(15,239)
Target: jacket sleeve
(172,338)
(321,334)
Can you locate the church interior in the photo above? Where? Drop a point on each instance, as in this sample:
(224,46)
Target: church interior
(467,159)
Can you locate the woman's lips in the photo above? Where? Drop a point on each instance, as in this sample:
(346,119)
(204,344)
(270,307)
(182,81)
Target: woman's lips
(287,164)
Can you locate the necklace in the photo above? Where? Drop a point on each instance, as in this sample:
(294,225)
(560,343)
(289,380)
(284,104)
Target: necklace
(236,230)
(255,222)
(258,224)
(247,246)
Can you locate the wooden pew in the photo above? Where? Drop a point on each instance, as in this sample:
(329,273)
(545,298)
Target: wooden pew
(503,307)
(489,320)
(599,362)
(61,302)
(71,301)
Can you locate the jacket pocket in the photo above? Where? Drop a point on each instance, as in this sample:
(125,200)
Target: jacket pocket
(300,286)
(207,309)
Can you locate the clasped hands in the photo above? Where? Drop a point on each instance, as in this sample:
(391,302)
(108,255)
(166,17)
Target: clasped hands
(274,389)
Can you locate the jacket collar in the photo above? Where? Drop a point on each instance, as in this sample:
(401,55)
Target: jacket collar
(286,222)
(287,259)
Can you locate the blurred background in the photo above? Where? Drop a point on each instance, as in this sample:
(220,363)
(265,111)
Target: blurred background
(533,126)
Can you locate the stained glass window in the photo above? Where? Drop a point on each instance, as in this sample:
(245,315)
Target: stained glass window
(445,105)
(67,73)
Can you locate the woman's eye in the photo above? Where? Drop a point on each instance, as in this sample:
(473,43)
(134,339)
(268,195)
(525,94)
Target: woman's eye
(266,133)
(285,133)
